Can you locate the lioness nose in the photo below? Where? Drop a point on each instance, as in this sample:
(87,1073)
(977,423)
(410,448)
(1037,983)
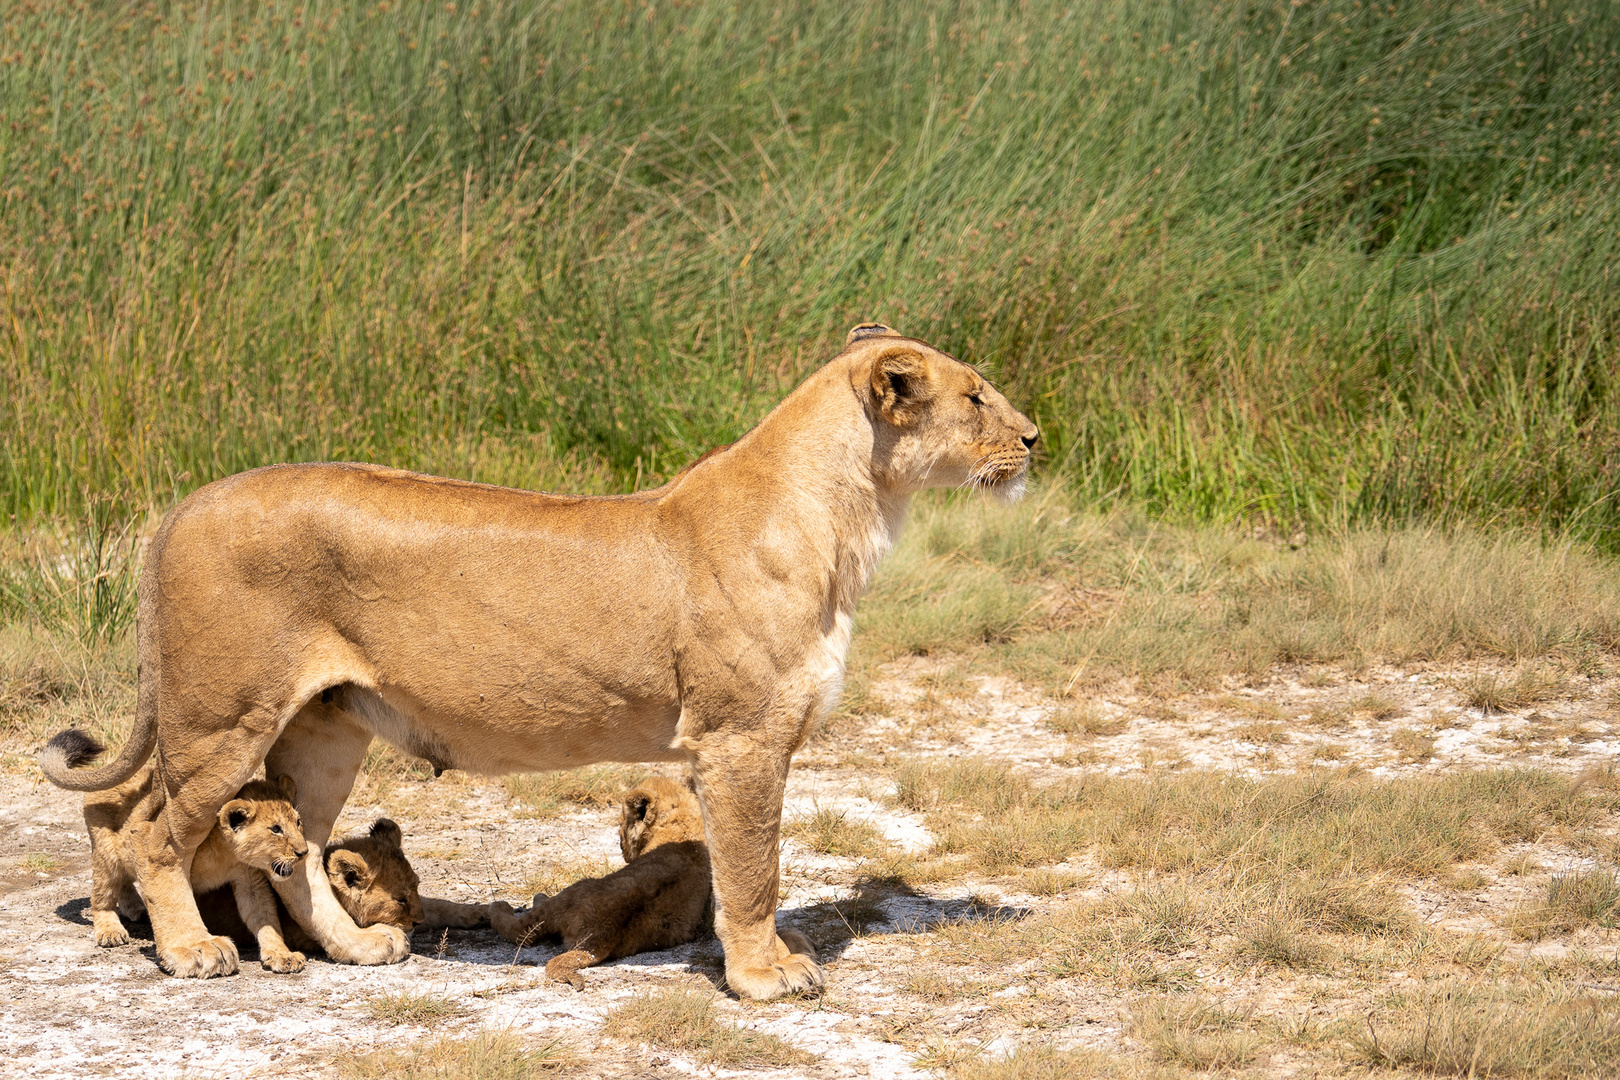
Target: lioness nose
(1029,440)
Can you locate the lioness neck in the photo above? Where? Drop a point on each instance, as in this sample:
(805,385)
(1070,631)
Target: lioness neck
(813,455)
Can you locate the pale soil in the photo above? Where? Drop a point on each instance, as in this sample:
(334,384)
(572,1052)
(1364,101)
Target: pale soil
(70,1009)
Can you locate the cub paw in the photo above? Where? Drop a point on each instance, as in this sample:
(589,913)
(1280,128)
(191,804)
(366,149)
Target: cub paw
(205,959)
(107,937)
(285,963)
(380,944)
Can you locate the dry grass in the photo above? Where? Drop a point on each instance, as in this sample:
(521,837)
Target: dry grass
(1040,1062)
(552,877)
(830,831)
(1325,824)
(549,793)
(1085,722)
(1573,901)
(1413,744)
(685,1021)
(1378,706)
(1464,1030)
(1190,1031)
(406,1007)
(1529,685)
(489,1055)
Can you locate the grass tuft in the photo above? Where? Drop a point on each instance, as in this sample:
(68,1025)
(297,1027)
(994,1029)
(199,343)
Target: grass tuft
(685,1021)
(408,1007)
(1573,901)
(487,1056)
(1189,1031)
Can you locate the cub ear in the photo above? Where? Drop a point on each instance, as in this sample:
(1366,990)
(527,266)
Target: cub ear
(235,814)
(385,831)
(289,788)
(349,866)
(901,384)
(637,804)
(868,330)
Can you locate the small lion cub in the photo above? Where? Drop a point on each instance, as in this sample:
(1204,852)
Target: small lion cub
(657,901)
(259,832)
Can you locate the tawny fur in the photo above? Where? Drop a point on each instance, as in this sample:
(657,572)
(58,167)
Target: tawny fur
(256,834)
(374,882)
(657,901)
(290,614)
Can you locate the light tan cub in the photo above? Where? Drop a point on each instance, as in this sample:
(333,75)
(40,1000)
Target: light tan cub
(258,832)
(657,901)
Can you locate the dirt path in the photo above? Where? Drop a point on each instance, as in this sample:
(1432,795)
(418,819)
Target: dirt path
(71,1010)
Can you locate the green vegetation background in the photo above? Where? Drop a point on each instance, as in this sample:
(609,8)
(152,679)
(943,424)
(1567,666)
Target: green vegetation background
(1317,262)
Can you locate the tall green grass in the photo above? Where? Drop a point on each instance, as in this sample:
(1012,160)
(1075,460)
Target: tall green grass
(1321,262)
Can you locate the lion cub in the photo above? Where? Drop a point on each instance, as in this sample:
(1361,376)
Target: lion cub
(258,833)
(657,901)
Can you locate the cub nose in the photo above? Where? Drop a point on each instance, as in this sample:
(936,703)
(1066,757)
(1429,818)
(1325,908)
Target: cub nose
(300,854)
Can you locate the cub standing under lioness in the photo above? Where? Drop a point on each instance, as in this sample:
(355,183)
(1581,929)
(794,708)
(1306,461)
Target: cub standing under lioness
(258,833)
(656,902)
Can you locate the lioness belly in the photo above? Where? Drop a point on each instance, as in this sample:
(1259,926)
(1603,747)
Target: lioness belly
(501,740)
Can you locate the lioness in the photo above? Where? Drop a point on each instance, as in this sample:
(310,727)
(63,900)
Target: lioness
(256,833)
(655,902)
(498,631)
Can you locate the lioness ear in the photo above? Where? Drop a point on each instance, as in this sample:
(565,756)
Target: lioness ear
(289,788)
(349,866)
(235,814)
(868,330)
(900,384)
(385,831)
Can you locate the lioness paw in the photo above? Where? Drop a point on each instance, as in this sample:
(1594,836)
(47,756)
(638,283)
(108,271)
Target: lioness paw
(283,963)
(206,959)
(795,970)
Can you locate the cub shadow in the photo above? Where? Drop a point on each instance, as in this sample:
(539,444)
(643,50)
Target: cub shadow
(78,913)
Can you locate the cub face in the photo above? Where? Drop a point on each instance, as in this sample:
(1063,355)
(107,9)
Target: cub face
(936,421)
(262,827)
(373,880)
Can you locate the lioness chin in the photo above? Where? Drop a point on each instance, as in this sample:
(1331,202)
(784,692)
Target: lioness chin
(290,614)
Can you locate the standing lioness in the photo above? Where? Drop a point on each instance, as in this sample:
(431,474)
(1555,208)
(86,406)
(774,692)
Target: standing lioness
(289,614)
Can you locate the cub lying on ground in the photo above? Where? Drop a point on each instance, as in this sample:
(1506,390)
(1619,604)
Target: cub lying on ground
(258,832)
(657,901)
(374,882)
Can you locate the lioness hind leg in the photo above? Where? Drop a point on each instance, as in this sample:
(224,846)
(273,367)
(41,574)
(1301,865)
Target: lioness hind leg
(322,749)
(741,790)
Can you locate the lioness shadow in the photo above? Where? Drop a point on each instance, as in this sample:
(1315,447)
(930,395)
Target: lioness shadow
(881,906)
(78,913)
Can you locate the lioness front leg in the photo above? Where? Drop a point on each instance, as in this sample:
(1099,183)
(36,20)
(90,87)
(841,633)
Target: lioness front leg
(741,783)
(322,750)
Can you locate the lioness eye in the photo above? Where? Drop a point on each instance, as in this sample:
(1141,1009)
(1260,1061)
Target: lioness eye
(976,399)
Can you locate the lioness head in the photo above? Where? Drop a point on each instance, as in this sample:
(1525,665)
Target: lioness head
(658,811)
(263,828)
(937,422)
(373,880)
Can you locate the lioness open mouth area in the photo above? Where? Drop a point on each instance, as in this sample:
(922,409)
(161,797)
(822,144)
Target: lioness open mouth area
(1029,839)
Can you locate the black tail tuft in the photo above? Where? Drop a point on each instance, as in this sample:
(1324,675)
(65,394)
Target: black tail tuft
(75,748)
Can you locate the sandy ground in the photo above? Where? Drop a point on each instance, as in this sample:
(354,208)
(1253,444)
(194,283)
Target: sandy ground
(69,1009)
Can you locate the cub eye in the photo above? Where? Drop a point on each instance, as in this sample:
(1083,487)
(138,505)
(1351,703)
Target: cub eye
(276,829)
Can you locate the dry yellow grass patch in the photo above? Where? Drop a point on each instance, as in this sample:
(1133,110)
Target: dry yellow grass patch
(490,1055)
(549,793)
(830,831)
(686,1021)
